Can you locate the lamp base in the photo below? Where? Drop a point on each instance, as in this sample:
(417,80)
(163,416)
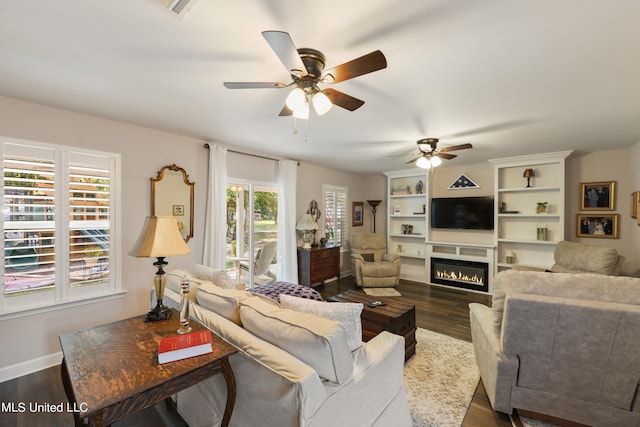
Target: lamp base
(159,312)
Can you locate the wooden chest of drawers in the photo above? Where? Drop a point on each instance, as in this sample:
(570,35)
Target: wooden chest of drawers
(318,264)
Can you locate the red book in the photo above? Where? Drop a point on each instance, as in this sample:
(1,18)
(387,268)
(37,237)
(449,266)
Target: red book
(184,346)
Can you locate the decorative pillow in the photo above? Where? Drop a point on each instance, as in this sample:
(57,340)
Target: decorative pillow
(319,342)
(273,290)
(218,277)
(224,302)
(347,313)
(367,257)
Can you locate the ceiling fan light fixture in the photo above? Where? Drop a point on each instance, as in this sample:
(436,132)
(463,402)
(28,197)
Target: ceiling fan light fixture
(321,103)
(436,161)
(296,99)
(302,112)
(423,162)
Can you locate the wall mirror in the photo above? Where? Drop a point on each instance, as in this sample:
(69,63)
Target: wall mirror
(172,194)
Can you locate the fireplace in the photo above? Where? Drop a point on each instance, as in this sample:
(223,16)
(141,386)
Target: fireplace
(461,274)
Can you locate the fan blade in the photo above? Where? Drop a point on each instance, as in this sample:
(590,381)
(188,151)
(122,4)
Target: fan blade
(413,160)
(286,111)
(285,49)
(456,147)
(446,156)
(254,85)
(368,63)
(343,100)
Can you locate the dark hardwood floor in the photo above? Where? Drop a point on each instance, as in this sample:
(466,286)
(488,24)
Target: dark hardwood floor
(439,309)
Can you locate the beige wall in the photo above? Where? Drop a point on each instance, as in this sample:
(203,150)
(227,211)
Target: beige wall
(144,152)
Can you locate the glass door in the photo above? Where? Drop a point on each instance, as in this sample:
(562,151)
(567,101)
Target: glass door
(252,239)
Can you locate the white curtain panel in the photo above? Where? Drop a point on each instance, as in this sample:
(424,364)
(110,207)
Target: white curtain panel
(215,224)
(287,251)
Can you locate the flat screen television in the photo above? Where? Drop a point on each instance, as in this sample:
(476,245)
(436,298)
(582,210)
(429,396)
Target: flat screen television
(462,213)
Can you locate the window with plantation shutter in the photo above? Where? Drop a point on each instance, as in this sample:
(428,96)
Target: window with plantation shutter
(58,224)
(335,205)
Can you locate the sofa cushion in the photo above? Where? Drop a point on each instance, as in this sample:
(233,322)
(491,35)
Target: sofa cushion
(587,286)
(347,313)
(224,302)
(217,277)
(572,257)
(319,342)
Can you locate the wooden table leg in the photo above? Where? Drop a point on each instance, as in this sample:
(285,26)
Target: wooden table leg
(227,372)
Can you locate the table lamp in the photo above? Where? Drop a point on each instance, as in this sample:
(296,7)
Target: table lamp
(160,237)
(528,173)
(307,225)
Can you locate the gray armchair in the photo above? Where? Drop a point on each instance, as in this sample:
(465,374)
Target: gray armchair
(373,267)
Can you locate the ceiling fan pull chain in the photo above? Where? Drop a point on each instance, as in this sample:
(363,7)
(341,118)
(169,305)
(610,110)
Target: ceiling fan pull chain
(295,124)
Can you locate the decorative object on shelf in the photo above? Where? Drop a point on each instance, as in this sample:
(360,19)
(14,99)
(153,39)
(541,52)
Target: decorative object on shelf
(307,225)
(374,204)
(357,217)
(502,207)
(463,182)
(396,209)
(597,196)
(159,238)
(597,225)
(419,187)
(542,232)
(528,173)
(633,204)
(399,248)
(511,257)
(184,306)
(401,190)
(541,207)
(424,210)
(407,229)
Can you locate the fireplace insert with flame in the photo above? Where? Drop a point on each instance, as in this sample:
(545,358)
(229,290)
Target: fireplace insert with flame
(460,274)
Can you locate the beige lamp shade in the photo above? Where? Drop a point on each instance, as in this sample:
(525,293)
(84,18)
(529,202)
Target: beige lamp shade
(160,237)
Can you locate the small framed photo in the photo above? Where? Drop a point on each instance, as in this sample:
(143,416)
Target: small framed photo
(633,204)
(357,211)
(178,210)
(600,225)
(597,196)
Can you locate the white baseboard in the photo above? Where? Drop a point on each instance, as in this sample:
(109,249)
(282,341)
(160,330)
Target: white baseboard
(29,366)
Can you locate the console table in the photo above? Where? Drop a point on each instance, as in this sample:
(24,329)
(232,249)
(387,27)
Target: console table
(112,371)
(316,265)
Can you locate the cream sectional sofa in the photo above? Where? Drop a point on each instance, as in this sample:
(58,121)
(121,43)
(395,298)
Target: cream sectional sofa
(562,344)
(293,368)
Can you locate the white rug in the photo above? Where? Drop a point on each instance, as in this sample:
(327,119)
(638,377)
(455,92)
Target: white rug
(382,292)
(440,380)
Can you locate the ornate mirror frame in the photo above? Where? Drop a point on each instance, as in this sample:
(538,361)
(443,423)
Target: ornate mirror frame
(172,194)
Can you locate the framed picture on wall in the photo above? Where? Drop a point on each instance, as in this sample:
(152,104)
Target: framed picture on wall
(597,225)
(357,211)
(597,196)
(633,204)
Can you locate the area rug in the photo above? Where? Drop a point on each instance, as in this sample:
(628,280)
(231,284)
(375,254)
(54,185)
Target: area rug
(382,292)
(440,380)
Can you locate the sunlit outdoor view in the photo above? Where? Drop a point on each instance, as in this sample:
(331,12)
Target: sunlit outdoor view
(240,239)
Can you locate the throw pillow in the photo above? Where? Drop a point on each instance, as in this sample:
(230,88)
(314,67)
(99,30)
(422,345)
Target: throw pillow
(319,342)
(367,257)
(218,277)
(347,313)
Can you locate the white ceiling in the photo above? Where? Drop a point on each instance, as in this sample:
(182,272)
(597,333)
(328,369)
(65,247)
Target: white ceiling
(512,77)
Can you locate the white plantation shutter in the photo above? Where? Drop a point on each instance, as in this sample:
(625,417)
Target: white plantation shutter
(336,226)
(50,192)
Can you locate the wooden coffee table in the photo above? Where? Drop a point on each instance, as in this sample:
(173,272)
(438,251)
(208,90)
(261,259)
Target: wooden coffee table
(396,317)
(112,371)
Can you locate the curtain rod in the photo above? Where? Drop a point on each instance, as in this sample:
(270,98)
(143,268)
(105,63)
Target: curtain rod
(249,154)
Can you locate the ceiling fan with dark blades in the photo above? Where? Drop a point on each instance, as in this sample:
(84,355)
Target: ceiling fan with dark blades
(306,68)
(430,156)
